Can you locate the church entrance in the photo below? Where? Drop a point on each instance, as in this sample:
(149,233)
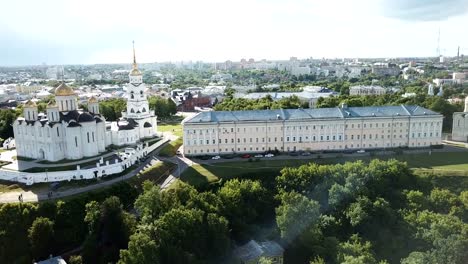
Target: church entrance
(41,154)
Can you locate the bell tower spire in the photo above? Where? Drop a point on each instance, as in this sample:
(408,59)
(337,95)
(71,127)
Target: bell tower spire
(134,56)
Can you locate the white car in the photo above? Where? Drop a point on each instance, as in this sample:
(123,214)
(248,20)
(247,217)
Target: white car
(361,151)
(269,155)
(216,158)
(258,156)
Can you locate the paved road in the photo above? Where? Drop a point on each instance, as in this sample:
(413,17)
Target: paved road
(30,196)
(182,164)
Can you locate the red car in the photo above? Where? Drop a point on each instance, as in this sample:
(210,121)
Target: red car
(246,156)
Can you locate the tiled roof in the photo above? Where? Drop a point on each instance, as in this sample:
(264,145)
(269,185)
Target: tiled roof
(304,114)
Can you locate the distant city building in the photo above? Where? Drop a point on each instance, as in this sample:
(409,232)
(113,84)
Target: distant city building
(367,90)
(441,82)
(340,128)
(221,77)
(385,69)
(187,100)
(430,90)
(300,70)
(459,77)
(408,95)
(309,95)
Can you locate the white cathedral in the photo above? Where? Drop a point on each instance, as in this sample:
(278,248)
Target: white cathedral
(66,132)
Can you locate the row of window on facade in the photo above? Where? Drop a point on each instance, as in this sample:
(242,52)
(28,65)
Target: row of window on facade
(87,134)
(132,94)
(306,138)
(142,110)
(21,130)
(313,127)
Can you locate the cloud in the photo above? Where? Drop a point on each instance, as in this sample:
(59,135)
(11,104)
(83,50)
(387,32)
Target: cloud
(90,31)
(423,10)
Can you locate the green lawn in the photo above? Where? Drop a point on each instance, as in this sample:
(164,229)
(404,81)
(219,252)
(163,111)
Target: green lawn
(170,149)
(175,129)
(439,163)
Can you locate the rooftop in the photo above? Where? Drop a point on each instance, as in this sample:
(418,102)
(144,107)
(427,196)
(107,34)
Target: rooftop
(305,114)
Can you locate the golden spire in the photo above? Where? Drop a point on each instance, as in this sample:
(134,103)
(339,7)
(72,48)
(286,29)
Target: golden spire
(134,56)
(134,71)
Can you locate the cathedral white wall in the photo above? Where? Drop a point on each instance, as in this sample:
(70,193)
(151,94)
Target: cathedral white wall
(74,143)
(78,174)
(101,136)
(66,103)
(460,127)
(89,145)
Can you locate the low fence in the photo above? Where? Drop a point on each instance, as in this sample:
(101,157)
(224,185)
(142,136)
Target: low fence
(102,169)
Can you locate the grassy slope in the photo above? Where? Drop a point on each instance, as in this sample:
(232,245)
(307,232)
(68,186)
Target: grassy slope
(447,164)
(175,129)
(170,149)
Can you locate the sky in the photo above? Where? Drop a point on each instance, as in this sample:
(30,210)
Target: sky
(101,31)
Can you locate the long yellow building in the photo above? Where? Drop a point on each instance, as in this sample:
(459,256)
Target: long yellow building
(340,128)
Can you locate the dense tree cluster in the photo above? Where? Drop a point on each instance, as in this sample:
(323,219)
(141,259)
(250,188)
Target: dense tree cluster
(376,212)
(112,109)
(162,107)
(7,117)
(367,215)
(34,231)
(233,104)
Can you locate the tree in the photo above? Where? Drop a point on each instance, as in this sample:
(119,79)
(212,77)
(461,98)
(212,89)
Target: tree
(162,107)
(356,251)
(7,117)
(112,109)
(141,249)
(442,200)
(41,237)
(295,214)
(243,203)
(264,260)
(109,226)
(75,259)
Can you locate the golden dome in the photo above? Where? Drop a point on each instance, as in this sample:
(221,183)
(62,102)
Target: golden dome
(92,99)
(135,72)
(64,90)
(30,103)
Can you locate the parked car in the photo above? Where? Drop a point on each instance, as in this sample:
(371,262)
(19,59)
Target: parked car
(269,155)
(246,156)
(258,156)
(305,153)
(361,151)
(178,152)
(216,158)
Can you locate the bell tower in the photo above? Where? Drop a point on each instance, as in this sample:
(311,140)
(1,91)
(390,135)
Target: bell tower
(137,103)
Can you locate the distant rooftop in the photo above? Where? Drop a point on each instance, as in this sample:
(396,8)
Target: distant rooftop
(305,114)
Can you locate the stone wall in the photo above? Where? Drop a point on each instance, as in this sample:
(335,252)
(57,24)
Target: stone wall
(102,169)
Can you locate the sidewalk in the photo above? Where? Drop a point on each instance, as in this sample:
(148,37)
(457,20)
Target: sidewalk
(29,196)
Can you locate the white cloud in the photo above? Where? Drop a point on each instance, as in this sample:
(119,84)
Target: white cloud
(101,31)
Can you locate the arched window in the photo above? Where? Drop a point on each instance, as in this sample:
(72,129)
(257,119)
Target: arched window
(132,111)
(141,93)
(131,95)
(143,110)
